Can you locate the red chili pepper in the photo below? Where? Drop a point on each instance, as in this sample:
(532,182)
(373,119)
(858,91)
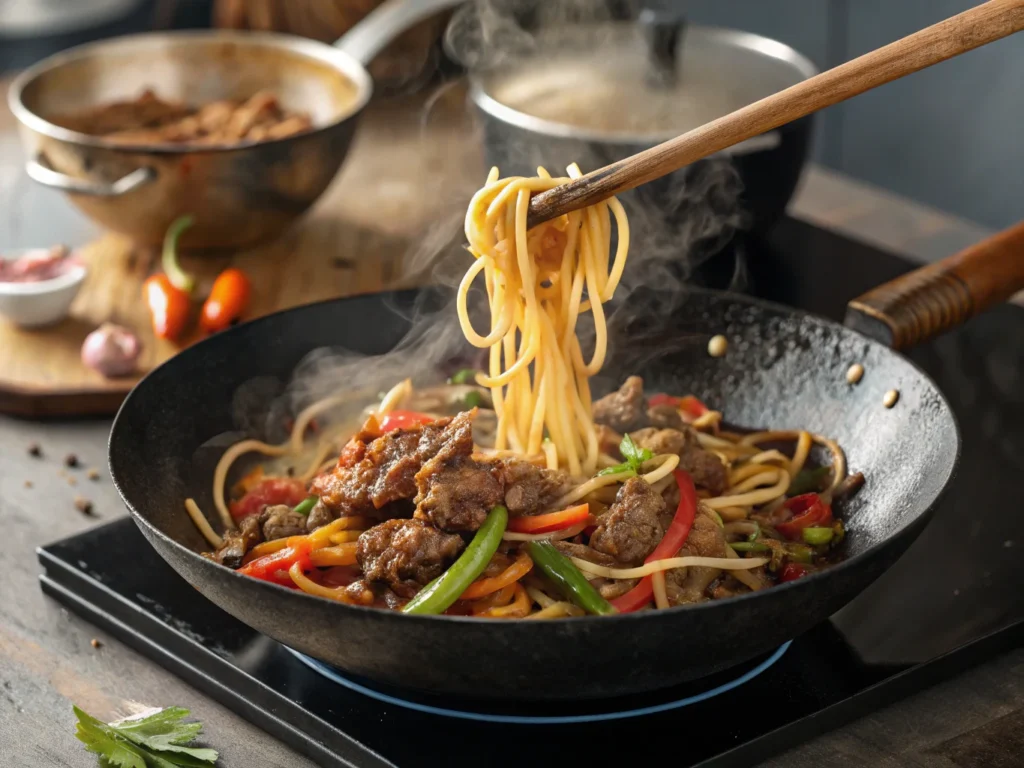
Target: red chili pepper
(167,295)
(553,521)
(793,571)
(807,510)
(669,546)
(274,567)
(228,300)
(688,404)
(274,490)
(168,306)
(403,420)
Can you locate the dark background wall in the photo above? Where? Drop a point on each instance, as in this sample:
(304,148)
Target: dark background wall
(951,137)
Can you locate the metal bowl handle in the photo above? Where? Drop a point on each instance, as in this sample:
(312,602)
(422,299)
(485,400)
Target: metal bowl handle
(40,172)
(386,22)
(929,301)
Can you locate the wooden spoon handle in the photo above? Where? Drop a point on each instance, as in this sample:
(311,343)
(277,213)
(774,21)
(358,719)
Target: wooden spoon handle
(931,300)
(980,25)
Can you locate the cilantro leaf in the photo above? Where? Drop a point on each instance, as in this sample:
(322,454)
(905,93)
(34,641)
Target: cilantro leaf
(155,740)
(634,455)
(634,458)
(616,470)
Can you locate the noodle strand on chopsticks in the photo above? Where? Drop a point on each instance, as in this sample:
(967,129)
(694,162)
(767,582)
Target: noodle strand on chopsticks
(535,282)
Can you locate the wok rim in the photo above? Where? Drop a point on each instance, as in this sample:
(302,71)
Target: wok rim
(919,520)
(342,62)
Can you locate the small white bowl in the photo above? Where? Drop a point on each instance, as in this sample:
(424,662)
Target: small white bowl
(35,305)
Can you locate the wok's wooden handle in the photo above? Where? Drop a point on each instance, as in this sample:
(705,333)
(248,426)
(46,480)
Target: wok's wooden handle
(971,29)
(934,299)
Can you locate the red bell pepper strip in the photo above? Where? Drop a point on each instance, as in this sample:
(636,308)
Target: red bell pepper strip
(808,510)
(793,571)
(688,404)
(274,490)
(669,546)
(553,521)
(274,567)
(403,420)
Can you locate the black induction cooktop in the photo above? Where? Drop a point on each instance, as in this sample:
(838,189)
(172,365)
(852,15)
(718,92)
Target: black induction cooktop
(951,601)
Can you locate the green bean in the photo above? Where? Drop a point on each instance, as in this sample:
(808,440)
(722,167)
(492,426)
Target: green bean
(567,577)
(305,506)
(439,594)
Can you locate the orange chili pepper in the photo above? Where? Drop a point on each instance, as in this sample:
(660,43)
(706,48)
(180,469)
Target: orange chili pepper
(228,300)
(168,306)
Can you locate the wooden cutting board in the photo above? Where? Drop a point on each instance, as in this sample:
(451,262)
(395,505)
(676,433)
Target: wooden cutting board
(408,170)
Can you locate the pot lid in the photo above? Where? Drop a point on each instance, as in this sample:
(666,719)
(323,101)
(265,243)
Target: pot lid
(596,81)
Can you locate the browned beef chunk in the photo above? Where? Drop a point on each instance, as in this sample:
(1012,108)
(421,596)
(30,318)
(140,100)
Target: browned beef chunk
(624,410)
(384,472)
(665,440)
(237,544)
(665,417)
(632,528)
(279,522)
(609,588)
(319,516)
(456,494)
(583,552)
(406,554)
(530,489)
(707,470)
(613,588)
(706,539)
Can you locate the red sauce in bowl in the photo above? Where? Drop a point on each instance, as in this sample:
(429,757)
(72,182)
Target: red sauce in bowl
(38,265)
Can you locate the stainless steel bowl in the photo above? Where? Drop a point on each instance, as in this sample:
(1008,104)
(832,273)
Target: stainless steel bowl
(239,194)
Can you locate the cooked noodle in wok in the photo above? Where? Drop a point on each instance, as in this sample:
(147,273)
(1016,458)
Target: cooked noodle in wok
(509,492)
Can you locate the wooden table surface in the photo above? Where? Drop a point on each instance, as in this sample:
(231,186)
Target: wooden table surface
(47,660)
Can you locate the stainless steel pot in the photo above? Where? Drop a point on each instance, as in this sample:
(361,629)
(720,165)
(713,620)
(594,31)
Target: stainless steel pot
(595,93)
(240,194)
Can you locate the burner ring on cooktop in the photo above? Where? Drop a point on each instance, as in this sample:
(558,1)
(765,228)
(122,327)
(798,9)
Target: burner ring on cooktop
(336,676)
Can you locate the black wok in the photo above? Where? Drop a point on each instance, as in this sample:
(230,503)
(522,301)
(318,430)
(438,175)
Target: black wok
(783,369)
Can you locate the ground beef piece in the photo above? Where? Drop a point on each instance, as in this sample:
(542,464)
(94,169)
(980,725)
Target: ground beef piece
(456,494)
(280,522)
(406,554)
(624,410)
(632,527)
(706,469)
(385,471)
(530,489)
(236,544)
(319,516)
(706,539)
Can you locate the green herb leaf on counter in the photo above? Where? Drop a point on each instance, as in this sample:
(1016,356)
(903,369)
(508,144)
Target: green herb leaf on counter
(156,740)
(473,399)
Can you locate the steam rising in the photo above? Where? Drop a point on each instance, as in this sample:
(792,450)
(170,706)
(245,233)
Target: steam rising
(676,225)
